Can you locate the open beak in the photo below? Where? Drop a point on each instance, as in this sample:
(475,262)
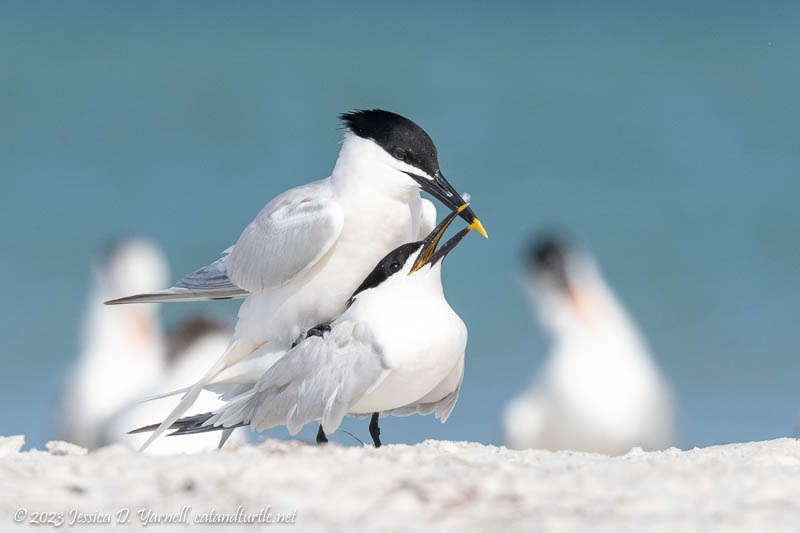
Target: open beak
(429,254)
(440,188)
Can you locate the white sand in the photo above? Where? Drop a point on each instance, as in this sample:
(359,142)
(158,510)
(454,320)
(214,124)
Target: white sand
(442,486)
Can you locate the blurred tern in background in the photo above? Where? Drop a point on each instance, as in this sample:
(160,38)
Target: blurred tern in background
(126,356)
(398,349)
(303,256)
(599,390)
(123,347)
(192,346)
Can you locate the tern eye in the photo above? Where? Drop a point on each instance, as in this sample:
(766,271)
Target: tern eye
(400,154)
(395,266)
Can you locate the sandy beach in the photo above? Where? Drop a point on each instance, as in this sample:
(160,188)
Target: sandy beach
(435,485)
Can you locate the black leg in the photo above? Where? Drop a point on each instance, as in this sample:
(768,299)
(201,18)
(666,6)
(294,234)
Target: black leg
(374,430)
(321,438)
(318,330)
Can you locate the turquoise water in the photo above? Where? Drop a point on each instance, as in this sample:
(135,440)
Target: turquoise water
(664,138)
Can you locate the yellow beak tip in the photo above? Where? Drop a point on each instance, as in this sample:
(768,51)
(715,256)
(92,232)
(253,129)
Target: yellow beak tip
(478,226)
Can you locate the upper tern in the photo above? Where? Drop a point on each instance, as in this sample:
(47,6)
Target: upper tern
(398,349)
(309,248)
(599,390)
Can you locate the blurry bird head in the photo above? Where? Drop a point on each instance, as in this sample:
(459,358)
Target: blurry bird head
(408,149)
(547,259)
(557,273)
(131,266)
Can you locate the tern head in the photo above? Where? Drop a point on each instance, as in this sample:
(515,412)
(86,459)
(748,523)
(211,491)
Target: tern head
(409,150)
(547,259)
(564,279)
(412,260)
(131,266)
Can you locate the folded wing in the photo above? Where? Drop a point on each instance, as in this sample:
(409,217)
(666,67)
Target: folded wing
(287,238)
(319,379)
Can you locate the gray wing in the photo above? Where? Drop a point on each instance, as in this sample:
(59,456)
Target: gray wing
(211,277)
(208,283)
(319,379)
(283,242)
(287,238)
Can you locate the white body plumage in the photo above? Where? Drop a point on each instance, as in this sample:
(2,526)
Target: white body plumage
(420,339)
(599,389)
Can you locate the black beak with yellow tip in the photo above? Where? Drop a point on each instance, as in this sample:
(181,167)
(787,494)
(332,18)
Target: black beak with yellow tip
(429,254)
(440,188)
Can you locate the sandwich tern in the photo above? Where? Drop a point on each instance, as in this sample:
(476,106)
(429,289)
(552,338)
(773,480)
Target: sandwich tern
(599,389)
(123,347)
(309,248)
(397,349)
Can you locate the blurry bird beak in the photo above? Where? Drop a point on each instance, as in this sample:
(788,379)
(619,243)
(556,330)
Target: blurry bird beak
(577,302)
(440,188)
(429,254)
(140,328)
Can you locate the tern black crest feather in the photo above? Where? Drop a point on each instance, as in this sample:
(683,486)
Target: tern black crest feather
(387,267)
(547,254)
(400,137)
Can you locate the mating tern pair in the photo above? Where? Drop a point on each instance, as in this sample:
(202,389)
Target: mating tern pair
(397,349)
(302,258)
(599,390)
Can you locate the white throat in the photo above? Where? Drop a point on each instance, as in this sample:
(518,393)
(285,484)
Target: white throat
(411,296)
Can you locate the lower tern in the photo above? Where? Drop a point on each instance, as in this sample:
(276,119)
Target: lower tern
(397,349)
(309,248)
(599,390)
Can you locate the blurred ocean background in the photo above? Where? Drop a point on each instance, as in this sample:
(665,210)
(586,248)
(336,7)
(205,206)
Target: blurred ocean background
(664,137)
